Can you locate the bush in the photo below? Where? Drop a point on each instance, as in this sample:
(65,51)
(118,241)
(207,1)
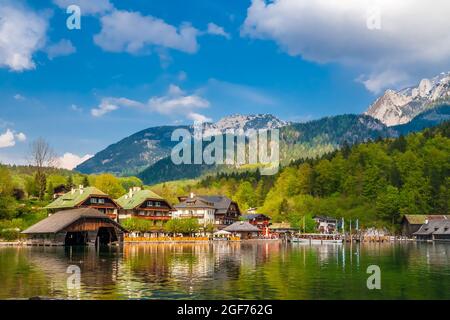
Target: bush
(184,226)
(10,234)
(140,225)
(8,206)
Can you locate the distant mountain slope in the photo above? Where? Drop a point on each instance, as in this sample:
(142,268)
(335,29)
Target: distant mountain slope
(400,107)
(427,119)
(314,138)
(144,148)
(299,140)
(132,154)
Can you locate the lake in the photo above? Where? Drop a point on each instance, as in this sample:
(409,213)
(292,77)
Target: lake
(246,270)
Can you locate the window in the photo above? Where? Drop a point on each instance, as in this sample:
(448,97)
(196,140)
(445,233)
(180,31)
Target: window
(94,200)
(149,203)
(101,200)
(157,204)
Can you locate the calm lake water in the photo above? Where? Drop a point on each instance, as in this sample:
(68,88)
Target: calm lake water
(253,270)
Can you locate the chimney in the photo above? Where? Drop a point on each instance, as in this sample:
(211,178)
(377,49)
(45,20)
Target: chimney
(191,195)
(130,193)
(426,221)
(81,187)
(72,191)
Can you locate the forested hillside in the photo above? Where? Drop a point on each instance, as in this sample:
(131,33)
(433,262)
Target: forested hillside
(376,182)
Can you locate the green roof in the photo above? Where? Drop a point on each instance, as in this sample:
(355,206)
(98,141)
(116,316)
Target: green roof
(128,203)
(71,200)
(421,218)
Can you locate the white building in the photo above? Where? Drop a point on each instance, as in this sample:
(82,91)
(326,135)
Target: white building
(219,211)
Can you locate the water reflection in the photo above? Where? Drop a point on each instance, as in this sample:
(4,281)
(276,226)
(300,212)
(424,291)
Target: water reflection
(247,270)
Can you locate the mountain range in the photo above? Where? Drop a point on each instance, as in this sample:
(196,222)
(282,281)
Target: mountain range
(147,152)
(400,107)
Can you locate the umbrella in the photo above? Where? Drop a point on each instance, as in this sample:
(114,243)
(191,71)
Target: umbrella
(222,232)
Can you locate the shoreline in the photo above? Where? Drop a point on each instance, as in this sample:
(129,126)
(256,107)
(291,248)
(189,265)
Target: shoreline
(200,241)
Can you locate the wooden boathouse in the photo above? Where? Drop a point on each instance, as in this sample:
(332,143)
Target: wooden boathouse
(434,230)
(411,223)
(83,226)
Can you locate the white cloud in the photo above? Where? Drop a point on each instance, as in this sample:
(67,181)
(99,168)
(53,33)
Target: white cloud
(22,33)
(87,6)
(134,33)
(62,48)
(8,139)
(214,29)
(175,103)
(198,117)
(70,161)
(175,90)
(377,81)
(414,35)
(19,97)
(21,137)
(110,104)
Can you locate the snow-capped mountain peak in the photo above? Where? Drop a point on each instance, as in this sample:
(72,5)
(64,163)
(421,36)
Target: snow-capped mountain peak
(237,122)
(399,107)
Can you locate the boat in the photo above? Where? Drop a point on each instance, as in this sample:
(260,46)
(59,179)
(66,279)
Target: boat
(317,238)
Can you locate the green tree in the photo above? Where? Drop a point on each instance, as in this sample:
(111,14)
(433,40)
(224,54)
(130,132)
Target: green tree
(85,181)
(110,185)
(8,206)
(388,204)
(69,183)
(40,181)
(130,182)
(50,190)
(245,195)
(6,182)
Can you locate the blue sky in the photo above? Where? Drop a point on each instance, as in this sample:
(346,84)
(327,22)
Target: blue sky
(137,64)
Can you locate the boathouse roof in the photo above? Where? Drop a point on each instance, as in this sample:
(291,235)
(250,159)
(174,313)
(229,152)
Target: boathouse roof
(62,219)
(75,197)
(422,218)
(241,226)
(434,227)
(136,197)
